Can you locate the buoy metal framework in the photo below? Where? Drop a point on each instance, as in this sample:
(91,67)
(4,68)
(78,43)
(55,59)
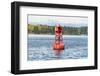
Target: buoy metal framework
(58,44)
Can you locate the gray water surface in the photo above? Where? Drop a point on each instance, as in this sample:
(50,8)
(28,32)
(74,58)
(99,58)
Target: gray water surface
(40,48)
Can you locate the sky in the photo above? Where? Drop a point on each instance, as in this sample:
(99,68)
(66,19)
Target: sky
(74,21)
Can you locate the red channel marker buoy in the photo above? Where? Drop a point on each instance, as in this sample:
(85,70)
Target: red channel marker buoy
(58,45)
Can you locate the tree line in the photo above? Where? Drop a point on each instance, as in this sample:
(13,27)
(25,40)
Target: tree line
(67,30)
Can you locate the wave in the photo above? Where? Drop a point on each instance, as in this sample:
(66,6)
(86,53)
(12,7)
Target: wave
(44,53)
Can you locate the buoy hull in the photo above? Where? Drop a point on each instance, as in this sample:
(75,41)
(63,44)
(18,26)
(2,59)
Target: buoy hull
(58,47)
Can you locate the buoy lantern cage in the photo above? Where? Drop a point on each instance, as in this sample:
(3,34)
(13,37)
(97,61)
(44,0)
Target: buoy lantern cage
(58,44)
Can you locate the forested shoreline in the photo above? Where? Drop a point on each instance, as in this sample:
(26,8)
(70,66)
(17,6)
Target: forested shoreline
(50,30)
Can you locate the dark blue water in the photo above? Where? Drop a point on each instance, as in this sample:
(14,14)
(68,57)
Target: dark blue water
(41,48)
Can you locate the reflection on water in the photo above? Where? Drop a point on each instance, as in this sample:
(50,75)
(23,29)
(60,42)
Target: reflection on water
(41,48)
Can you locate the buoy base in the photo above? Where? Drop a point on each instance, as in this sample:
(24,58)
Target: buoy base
(58,47)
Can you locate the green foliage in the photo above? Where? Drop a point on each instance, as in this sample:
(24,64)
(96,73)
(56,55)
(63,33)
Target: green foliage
(45,29)
(30,28)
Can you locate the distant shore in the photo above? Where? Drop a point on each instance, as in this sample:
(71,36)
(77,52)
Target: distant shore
(37,35)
